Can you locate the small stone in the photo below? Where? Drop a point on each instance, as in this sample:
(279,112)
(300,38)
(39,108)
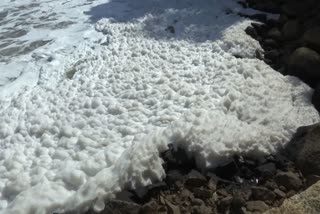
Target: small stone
(222,192)
(289,180)
(202,193)
(251,32)
(197,202)
(256,206)
(172,209)
(261,193)
(149,208)
(279,193)
(195,179)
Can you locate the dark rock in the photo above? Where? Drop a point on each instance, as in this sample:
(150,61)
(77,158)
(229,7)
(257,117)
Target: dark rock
(197,202)
(201,210)
(305,63)
(316,98)
(172,209)
(289,180)
(271,185)
(297,8)
(261,29)
(222,192)
(125,196)
(312,179)
(256,206)
(157,187)
(149,208)
(272,55)
(304,149)
(251,32)
(195,179)
(291,30)
(237,202)
(185,194)
(123,207)
(279,193)
(173,176)
(312,38)
(259,17)
(270,43)
(267,6)
(177,158)
(267,169)
(171,29)
(212,184)
(261,193)
(275,34)
(202,193)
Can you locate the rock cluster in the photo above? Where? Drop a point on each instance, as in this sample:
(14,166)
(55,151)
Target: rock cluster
(242,186)
(291,43)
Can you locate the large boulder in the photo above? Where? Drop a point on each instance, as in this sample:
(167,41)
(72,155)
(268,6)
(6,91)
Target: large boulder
(304,149)
(305,64)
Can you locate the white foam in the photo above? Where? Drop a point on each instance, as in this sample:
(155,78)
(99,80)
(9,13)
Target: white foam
(69,143)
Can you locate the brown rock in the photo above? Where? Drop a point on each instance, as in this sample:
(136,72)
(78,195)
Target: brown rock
(256,206)
(262,193)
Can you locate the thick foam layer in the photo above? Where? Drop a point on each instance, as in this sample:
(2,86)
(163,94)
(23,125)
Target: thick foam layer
(96,119)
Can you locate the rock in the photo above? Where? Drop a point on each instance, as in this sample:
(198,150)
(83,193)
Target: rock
(212,184)
(312,38)
(201,210)
(291,30)
(222,192)
(237,203)
(261,193)
(173,176)
(261,29)
(304,149)
(297,8)
(123,207)
(149,208)
(289,180)
(195,179)
(157,187)
(202,193)
(197,202)
(272,55)
(225,202)
(172,209)
(185,194)
(275,34)
(305,63)
(251,32)
(268,168)
(312,179)
(271,185)
(302,203)
(256,206)
(270,43)
(279,193)
(316,98)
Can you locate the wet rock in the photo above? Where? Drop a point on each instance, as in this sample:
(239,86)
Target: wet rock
(173,176)
(272,55)
(275,34)
(251,32)
(289,180)
(195,179)
(267,169)
(202,193)
(304,149)
(279,193)
(262,193)
(256,206)
(305,63)
(270,43)
(316,98)
(291,30)
(123,207)
(172,209)
(312,38)
(149,208)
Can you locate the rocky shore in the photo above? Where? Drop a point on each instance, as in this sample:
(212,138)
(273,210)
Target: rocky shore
(292,47)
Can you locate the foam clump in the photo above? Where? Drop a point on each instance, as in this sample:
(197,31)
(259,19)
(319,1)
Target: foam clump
(73,144)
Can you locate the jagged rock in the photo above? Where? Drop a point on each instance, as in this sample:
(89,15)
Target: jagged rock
(305,63)
(256,206)
(251,32)
(195,179)
(291,30)
(289,180)
(267,169)
(304,149)
(261,193)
